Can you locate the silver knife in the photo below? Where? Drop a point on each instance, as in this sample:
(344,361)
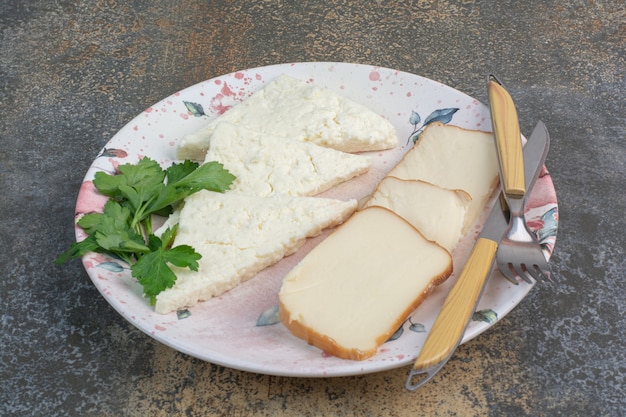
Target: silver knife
(447,331)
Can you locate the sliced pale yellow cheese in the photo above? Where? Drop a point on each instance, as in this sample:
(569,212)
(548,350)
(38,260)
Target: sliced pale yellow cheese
(265,164)
(353,290)
(238,236)
(454,158)
(437,212)
(292,108)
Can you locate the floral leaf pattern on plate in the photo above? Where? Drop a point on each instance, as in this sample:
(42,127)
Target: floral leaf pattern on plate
(195,109)
(113,153)
(397,334)
(414,327)
(549,226)
(417,328)
(269,317)
(488,316)
(111,266)
(183,314)
(440,115)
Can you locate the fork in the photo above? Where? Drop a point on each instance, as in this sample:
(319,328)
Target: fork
(519,252)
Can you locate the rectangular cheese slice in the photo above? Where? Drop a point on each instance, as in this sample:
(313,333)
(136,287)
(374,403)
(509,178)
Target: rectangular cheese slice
(454,158)
(292,108)
(354,289)
(438,213)
(266,164)
(238,236)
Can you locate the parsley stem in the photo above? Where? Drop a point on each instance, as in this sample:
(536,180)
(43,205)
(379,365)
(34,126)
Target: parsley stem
(147,224)
(125,257)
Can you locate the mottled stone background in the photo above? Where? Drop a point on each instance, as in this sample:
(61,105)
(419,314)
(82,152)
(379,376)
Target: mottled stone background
(74,72)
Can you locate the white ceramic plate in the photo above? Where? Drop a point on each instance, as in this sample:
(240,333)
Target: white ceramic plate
(224,330)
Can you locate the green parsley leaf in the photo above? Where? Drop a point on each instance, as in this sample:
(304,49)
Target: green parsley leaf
(183,256)
(152,270)
(166,197)
(147,173)
(89,222)
(178,171)
(167,237)
(209,176)
(153,273)
(141,178)
(78,249)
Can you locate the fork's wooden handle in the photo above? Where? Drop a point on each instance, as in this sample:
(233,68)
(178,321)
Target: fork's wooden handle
(448,329)
(508,139)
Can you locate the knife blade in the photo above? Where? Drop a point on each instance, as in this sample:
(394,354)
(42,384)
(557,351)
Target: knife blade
(447,331)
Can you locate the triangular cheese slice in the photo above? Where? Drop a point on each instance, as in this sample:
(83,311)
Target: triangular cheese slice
(438,213)
(239,235)
(292,108)
(265,164)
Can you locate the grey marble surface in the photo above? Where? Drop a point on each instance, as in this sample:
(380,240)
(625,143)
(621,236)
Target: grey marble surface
(74,72)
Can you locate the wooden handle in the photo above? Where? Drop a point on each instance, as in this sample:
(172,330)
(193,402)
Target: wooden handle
(448,329)
(508,139)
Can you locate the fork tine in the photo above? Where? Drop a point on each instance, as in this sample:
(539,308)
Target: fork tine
(508,274)
(548,275)
(522,273)
(534,271)
(511,277)
(544,272)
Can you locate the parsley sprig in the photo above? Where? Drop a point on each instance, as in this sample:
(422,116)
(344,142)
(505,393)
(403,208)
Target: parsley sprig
(124,228)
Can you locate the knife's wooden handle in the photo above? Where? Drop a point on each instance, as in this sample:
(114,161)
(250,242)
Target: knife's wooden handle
(448,329)
(508,139)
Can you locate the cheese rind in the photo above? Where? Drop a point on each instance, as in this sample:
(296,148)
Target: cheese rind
(291,108)
(353,290)
(238,236)
(438,213)
(454,158)
(265,164)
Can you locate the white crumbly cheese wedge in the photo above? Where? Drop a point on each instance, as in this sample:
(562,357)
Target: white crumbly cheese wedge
(265,164)
(454,158)
(240,235)
(438,213)
(291,108)
(354,289)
